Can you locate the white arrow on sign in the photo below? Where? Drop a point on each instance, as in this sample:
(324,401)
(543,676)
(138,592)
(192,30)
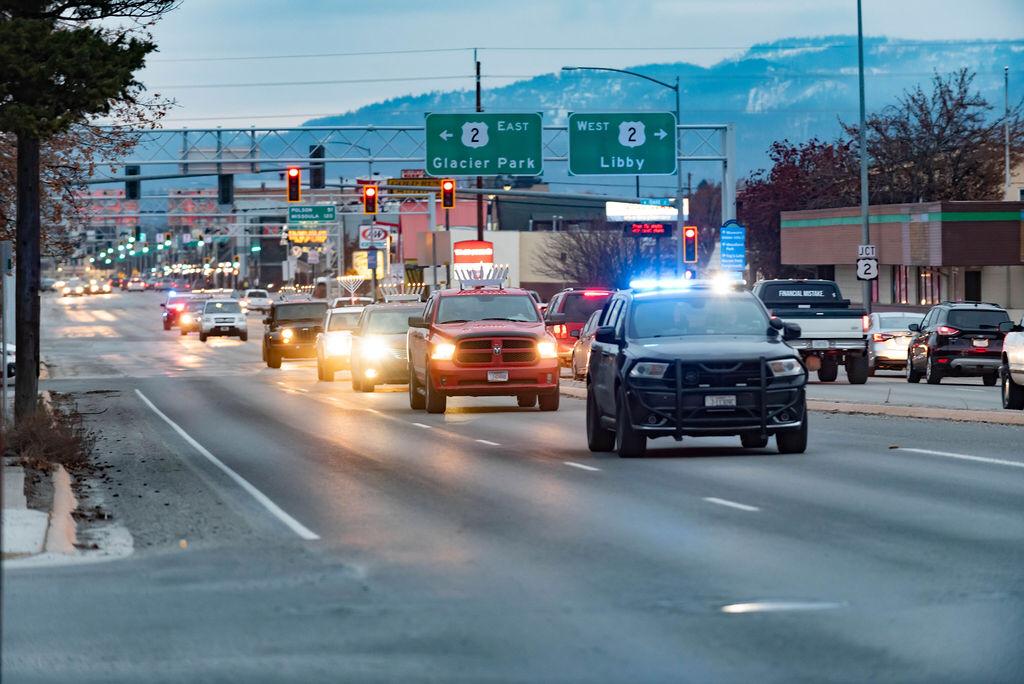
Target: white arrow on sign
(660,135)
(445,135)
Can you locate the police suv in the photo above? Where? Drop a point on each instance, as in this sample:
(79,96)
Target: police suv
(694,358)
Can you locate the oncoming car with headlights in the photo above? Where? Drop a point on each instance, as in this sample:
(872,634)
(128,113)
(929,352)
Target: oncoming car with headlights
(334,344)
(223,317)
(190,314)
(693,358)
(379,355)
(292,328)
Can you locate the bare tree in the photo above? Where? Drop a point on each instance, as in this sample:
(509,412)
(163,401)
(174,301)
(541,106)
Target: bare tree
(598,257)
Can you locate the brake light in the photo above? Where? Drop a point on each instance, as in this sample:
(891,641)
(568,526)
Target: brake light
(947,330)
(881,337)
(865,322)
(560,330)
(177,307)
(596,293)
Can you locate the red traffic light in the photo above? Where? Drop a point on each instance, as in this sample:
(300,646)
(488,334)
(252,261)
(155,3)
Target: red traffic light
(448,193)
(293,171)
(690,232)
(369,199)
(294,183)
(690,245)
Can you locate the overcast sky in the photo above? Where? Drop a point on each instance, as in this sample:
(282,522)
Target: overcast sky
(200,41)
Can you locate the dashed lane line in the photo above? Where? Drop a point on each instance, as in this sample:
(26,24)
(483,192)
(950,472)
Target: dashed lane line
(488,442)
(731,504)
(574,464)
(424,426)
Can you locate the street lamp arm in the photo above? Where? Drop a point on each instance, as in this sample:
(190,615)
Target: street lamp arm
(670,86)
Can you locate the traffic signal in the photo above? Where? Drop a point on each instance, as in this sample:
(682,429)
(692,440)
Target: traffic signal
(225,188)
(448,193)
(132,188)
(369,199)
(317,170)
(294,179)
(690,244)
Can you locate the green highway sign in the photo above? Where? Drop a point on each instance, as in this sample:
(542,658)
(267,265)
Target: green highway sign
(622,143)
(484,144)
(322,213)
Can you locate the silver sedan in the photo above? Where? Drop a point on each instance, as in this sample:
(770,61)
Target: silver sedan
(888,339)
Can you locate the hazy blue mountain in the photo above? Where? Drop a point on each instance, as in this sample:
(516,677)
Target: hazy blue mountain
(793,88)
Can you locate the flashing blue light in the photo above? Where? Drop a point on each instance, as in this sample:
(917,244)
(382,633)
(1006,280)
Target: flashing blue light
(171,293)
(660,284)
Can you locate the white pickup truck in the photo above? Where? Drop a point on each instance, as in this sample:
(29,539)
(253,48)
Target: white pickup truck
(1012,371)
(830,331)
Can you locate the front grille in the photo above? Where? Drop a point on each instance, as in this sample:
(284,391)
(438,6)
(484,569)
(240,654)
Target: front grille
(306,334)
(741,374)
(480,351)
(223,321)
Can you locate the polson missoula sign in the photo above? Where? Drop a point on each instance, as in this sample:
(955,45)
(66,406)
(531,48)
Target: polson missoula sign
(317,213)
(473,252)
(481,144)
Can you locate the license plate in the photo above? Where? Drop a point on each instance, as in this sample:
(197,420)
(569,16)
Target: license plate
(225,328)
(980,343)
(720,401)
(819,344)
(497,376)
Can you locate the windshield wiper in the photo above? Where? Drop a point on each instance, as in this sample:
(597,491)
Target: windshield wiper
(455,320)
(503,318)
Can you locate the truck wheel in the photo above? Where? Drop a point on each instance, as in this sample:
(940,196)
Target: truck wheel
(549,402)
(857,369)
(829,370)
(356,382)
(932,375)
(184,332)
(319,370)
(989,380)
(416,400)
(526,400)
(202,336)
(599,438)
(329,372)
(629,443)
(793,441)
(244,337)
(1012,393)
(912,375)
(435,401)
(753,440)
(273,359)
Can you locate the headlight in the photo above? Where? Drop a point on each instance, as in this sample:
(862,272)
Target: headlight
(373,349)
(244,304)
(442,351)
(66,290)
(782,367)
(186,318)
(547,350)
(287,334)
(339,345)
(79,290)
(648,369)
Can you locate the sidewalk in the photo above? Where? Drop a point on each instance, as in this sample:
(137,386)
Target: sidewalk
(24,529)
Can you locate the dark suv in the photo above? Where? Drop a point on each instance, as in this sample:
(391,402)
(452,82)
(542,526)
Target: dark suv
(959,339)
(566,314)
(292,328)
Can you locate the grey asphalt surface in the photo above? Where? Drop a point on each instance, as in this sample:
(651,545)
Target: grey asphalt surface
(488,544)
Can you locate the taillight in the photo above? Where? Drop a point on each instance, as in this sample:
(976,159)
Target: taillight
(177,307)
(946,330)
(865,322)
(881,337)
(596,293)
(560,330)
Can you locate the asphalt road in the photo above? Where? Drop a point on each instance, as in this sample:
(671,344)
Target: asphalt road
(374,543)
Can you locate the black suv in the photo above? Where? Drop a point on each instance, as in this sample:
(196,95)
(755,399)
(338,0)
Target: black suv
(957,339)
(291,331)
(701,360)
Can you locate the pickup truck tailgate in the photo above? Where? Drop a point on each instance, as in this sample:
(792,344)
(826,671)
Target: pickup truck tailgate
(827,324)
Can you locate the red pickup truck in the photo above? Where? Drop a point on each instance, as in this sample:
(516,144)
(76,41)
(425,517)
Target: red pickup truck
(481,341)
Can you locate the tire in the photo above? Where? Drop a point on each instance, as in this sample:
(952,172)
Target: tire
(319,370)
(549,401)
(829,370)
(329,373)
(357,384)
(599,438)
(857,369)
(167,326)
(244,337)
(793,441)
(526,400)
(184,332)
(416,400)
(932,375)
(273,359)
(367,386)
(1012,393)
(753,440)
(990,379)
(434,401)
(912,375)
(628,442)
(202,336)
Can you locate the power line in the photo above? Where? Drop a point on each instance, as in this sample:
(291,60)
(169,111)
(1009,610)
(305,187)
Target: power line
(271,84)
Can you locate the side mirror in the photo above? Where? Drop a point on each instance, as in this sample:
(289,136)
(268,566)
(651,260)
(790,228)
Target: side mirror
(418,322)
(163,305)
(554,318)
(575,333)
(791,331)
(606,335)
(1009,327)
(914,327)
(776,323)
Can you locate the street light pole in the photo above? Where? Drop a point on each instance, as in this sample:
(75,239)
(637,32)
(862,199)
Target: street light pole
(865,233)
(679,172)
(1006,130)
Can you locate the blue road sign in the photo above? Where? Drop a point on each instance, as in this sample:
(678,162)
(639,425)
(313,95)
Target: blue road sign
(732,241)
(371,260)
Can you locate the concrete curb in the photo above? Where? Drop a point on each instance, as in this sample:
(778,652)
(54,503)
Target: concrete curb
(61,535)
(890,410)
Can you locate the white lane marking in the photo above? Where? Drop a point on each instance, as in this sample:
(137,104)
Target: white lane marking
(777,606)
(369,410)
(422,425)
(260,497)
(574,464)
(965,457)
(488,442)
(731,504)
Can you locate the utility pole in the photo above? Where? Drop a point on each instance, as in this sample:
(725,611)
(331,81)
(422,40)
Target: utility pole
(865,233)
(1006,130)
(479,179)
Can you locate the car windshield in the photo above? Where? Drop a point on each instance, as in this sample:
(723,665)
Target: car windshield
(579,306)
(196,305)
(977,319)
(343,320)
(223,307)
(697,314)
(390,321)
(257,294)
(463,308)
(298,312)
(897,321)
